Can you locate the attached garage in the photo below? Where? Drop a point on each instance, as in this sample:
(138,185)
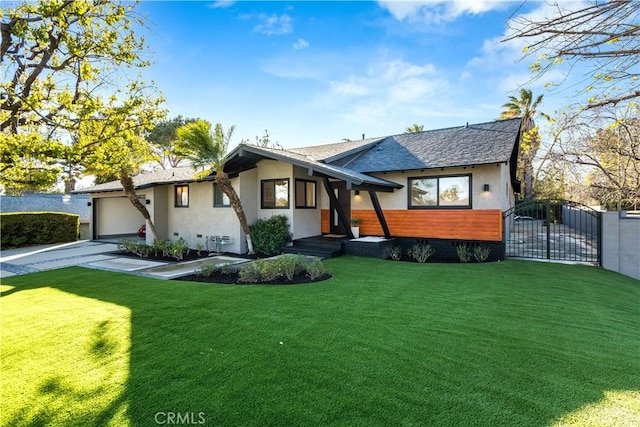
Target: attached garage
(115,217)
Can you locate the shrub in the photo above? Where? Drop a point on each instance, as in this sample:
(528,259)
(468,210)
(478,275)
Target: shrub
(142,250)
(179,249)
(270,235)
(421,253)
(286,266)
(249,273)
(37,228)
(481,253)
(291,265)
(464,253)
(396,253)
(162,248)
(205,270)
(315,269)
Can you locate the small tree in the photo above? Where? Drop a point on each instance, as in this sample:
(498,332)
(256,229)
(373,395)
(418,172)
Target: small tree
(205,149)
(414,128)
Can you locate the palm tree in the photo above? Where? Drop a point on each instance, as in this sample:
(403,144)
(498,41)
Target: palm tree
(526,107)
(208,150)
(414,128)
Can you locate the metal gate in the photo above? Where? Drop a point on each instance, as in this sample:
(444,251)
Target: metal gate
(553,230)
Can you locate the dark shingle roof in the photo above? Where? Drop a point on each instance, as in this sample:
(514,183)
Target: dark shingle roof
(476,144)
(305,161)
(329,152)
(146,180)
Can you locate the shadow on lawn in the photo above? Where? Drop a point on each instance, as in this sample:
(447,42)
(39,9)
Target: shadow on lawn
(177,364)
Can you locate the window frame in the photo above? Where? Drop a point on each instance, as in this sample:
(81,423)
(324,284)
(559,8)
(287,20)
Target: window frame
(217,190)
(438,205)
(275,199)
(315,193)
(175,196)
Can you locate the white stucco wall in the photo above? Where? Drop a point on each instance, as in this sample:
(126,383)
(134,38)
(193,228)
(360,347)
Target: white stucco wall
(306,222)
(198,222)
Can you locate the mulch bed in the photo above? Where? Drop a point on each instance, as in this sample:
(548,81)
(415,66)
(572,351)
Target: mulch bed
(232,279)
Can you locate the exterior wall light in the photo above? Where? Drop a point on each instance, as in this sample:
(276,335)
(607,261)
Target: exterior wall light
(485,187)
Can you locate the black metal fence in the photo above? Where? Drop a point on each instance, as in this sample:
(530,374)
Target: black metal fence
(554,230)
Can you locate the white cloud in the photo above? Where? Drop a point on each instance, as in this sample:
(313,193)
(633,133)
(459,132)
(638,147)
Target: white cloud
(219,4)
(274,24)
(436,11)
(300,44)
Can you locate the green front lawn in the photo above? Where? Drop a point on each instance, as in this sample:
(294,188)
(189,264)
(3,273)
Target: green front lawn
(382,343)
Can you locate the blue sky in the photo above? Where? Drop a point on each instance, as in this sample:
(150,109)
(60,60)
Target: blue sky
(318,72)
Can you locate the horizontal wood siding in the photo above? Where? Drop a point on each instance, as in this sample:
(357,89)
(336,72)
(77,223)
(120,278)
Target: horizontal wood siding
(324,221)
(462,224)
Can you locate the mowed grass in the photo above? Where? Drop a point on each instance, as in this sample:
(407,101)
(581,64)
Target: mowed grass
(382,343)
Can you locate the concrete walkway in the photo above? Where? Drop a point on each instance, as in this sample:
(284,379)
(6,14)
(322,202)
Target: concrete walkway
(49,257)
(97,255)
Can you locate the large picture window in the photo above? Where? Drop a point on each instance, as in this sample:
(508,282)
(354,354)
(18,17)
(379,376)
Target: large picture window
(305,194)
(440,192)
(274,194)
(182,196)
(220,200)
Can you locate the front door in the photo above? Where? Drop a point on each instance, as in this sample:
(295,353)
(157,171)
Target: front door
(344,199)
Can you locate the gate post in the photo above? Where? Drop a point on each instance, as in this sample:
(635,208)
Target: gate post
(547,205)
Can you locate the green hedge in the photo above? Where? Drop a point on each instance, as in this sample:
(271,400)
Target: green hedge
(37,228)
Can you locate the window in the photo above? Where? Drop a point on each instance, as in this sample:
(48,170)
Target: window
(305,194)
(182,196)
(440,192)
(274,194)
(220,200)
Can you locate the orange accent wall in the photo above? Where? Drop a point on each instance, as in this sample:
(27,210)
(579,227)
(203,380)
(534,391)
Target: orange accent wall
(324,221)
(463,224)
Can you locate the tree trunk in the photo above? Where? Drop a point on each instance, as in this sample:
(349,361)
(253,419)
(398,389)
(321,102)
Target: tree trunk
(222,179)
(129,190)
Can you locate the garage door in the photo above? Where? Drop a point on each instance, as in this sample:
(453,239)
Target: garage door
(115,217)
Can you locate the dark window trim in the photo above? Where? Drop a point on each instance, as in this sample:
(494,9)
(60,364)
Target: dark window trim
(216,188)
(262,181)
(175,196)
(437,177)
(315,195)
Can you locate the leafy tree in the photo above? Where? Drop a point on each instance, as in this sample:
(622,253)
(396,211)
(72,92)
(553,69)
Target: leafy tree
(61,62)
(526,107)
(263,141)
(163,139)
(208,150)
(414,128)
(111,143)
(603,35)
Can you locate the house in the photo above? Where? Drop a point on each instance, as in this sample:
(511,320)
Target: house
(446,185)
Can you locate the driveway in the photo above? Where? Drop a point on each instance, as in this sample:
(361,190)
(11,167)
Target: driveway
(85,253)
(98,255)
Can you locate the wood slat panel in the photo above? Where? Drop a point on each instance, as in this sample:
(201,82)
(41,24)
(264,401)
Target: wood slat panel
(485,224)
(324,221)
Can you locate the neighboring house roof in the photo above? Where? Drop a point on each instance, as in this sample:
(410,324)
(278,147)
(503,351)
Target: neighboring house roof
(146,180)
(469,145)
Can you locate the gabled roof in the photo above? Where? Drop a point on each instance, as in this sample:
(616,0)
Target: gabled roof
(146,180)
(476,144)
(245,156)
(352,161)
(328,153)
